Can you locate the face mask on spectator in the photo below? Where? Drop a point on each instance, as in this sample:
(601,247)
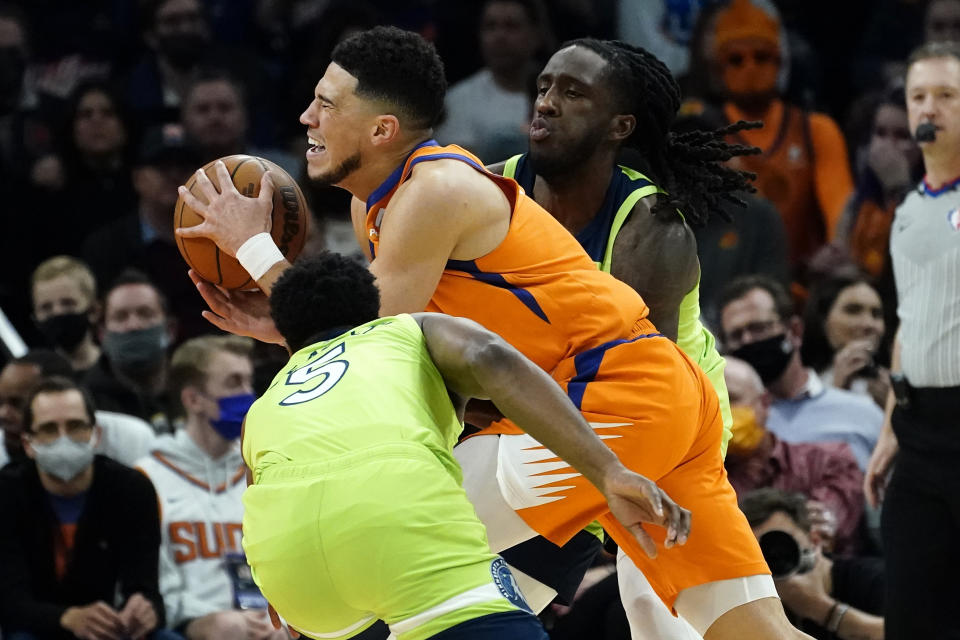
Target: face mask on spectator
(182,51)
(769,357)
(136,348)
(63,458)
(233,409)
(747,434)
(66,330)
(12,67)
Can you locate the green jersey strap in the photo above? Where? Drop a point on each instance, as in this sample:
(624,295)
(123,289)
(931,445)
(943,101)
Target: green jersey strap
(624,212)
(510,166)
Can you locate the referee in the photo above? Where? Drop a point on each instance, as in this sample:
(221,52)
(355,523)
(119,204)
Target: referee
(921,514)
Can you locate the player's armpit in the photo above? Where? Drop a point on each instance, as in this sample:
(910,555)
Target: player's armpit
(657,256)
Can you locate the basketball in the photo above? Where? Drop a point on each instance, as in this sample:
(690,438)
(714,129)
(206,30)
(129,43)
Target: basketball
(289,229)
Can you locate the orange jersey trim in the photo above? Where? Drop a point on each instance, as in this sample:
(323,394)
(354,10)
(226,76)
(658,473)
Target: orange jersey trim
(237,476)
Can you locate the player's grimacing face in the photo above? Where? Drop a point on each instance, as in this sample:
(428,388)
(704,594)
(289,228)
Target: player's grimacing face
(336,119)
(572,109)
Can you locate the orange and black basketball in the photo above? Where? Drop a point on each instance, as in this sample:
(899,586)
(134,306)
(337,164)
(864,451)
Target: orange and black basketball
(290,219)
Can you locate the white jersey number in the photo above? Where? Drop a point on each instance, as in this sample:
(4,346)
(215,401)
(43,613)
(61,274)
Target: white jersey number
(325,365)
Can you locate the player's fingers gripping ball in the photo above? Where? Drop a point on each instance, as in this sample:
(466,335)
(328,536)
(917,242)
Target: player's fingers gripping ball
(289,218)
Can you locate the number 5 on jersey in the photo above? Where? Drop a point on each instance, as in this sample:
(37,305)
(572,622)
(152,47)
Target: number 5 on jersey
(331,370)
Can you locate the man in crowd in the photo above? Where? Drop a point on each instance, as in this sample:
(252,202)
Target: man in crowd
(919,428)
(758,326)
(804,169)
(143,239)
(826,473)
(489,112)
(198,474)
(122,437)
(135,331)
(81,533)
(64,294)
(837,598)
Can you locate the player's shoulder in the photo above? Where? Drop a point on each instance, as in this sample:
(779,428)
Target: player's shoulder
(444,181)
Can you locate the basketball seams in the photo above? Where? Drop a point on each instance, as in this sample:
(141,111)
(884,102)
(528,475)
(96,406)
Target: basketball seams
(197,253)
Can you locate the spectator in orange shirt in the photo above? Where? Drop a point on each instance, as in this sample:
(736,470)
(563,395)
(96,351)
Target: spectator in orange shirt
(804,169)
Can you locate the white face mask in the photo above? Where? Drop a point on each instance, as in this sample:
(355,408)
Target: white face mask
(63,458)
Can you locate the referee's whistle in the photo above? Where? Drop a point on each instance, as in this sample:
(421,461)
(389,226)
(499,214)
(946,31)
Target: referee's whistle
(926,132)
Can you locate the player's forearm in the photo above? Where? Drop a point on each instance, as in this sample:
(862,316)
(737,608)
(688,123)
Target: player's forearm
(526,395)
(268,279)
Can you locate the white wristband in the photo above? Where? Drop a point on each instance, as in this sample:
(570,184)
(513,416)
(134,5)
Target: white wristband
(258,254)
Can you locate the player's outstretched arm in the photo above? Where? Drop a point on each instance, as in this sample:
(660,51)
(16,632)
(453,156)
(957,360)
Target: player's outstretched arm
(477,363)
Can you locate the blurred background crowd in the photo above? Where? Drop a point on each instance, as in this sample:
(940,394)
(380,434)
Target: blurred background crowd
(107,105)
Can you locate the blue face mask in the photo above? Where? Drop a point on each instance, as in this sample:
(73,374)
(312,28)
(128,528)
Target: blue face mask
(233,409)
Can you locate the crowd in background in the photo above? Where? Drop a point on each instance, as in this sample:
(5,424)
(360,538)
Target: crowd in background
(107,106)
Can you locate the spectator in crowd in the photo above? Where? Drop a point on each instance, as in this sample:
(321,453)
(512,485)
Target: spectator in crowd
(941,22)
(489,112)
(199,476)
(804,170)
(758,325)
(79,545)
(214,117)
(736,240)
(135,331)
(178,40)
(663,28)
(64,294)
(88,184)
(920,428)
(825,473)
(179,45)
(893,166)
(23,136)
(843,335)
(122,438)
(144,239)
(838,598)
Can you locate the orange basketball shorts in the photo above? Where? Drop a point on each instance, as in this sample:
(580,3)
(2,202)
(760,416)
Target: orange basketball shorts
(658,412)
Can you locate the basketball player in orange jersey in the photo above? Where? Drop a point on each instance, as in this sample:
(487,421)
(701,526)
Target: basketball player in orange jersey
(445,235)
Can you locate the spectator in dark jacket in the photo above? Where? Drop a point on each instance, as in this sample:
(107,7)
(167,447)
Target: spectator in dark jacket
(79,545)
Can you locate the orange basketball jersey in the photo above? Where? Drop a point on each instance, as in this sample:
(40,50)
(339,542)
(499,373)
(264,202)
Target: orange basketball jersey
(538,289)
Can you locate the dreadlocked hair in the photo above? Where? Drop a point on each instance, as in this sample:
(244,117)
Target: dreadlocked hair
(689,166)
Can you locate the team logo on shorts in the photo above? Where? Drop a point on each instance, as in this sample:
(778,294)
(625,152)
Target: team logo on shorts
(507,584)
(954,219)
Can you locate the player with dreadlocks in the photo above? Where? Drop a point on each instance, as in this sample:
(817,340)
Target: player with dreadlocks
(444,234)
(603,101)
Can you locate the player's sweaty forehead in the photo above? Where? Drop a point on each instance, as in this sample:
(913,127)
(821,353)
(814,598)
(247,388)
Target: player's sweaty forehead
(575,64)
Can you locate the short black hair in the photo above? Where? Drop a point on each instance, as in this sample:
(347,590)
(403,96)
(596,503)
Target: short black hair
(398,67)
(135,276)
(760,504)
(742,285)
(48,361)
(320,293)
(691,166)
(57,384)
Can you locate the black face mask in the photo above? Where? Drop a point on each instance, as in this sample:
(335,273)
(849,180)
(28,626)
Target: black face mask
(182,51)
(769,357)
(13,65)
(66,330)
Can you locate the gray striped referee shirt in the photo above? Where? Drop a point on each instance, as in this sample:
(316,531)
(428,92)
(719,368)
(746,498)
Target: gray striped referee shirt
(925,247)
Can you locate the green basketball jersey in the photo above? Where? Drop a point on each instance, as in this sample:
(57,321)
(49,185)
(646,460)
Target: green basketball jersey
(372,385)
(626,188)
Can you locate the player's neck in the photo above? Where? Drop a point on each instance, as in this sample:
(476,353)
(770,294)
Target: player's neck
(378,167)
(574,199)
